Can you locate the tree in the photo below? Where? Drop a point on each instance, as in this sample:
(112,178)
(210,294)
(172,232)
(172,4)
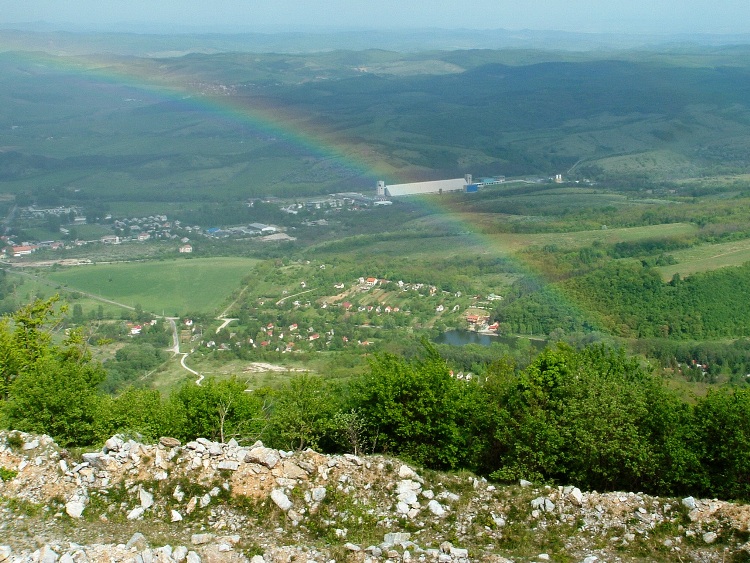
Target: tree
(723,424)
(56,395)
(77,316)
(594,418)
(218,410)
(140,413)
(302,415)
(24,336)
(417,410)
(47,388)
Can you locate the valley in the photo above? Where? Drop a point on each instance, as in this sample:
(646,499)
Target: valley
(203,241)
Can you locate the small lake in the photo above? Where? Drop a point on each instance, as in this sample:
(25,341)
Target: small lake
(463,337)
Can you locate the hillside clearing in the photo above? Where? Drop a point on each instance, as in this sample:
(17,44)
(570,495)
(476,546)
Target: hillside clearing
(707,257)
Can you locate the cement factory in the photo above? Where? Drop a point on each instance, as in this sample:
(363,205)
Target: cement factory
(465,184)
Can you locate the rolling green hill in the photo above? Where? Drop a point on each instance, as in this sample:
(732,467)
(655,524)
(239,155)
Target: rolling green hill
(233,125)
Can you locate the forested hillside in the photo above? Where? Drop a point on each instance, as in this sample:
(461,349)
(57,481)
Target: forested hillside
(227,124)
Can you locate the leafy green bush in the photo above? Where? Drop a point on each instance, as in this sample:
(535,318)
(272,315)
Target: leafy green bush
(419,411)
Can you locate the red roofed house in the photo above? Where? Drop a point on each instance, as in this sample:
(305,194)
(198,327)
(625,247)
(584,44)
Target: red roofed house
(23,250)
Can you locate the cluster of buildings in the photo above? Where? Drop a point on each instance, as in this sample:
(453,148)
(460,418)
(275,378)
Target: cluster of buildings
(72,213)
(338,201)
(253,230)
(480,322)
(145,228)
(13,250)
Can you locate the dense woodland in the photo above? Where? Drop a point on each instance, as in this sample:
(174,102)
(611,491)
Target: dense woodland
(631,300)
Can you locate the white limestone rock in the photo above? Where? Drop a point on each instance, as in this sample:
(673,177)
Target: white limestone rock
(136,513)
(281,500)
(436,508)
(201,539)
(75,508)
(264,456)
(146,498)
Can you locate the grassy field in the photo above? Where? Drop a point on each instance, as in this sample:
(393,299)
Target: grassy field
(171,374)
(512,242)
(173,286)
(707,257)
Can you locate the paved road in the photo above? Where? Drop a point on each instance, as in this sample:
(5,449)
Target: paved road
(176,349)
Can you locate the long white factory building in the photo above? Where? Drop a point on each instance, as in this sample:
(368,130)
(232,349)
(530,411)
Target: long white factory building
(419,188)
(465,184)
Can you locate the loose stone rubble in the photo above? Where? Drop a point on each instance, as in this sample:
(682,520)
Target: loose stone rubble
(209,502)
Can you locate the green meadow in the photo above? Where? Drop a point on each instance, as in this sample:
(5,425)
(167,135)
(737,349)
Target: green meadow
(707,257)
(513,242)
(175,287)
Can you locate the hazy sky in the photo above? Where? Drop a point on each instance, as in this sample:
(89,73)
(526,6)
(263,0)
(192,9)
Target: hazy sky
(637,16)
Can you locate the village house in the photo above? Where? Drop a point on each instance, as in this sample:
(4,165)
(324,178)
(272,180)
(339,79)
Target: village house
(23,250)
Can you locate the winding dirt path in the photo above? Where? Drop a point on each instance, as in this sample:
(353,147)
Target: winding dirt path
(280,301)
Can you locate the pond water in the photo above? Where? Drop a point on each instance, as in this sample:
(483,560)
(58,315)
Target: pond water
(462,337)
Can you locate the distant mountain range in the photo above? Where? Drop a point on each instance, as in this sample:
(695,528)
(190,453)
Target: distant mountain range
(144,40)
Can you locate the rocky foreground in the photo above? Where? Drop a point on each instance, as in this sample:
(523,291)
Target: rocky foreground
(210,502)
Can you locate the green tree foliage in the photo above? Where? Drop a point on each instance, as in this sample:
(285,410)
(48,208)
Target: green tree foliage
(417,410)
(723,426)
(48,388)
(632,300)
(141,413)
(303,414)
(130,363)
(218,410)
(593,418)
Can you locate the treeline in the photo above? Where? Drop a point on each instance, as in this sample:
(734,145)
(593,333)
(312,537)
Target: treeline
(630,300)
(590,417)
(699,361)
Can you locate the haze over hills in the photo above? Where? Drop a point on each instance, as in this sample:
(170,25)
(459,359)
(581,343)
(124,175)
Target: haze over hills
(145,42)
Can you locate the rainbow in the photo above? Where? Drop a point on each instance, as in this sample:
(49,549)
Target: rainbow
(258,114)
(282,125)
